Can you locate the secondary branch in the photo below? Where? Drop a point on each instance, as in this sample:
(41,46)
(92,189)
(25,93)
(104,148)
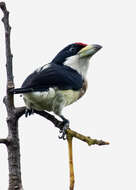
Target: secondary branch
(70,132)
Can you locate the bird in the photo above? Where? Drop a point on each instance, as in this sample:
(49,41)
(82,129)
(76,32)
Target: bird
(59,83)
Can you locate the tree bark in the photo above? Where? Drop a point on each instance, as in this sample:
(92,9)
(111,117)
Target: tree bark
(13,147)
(12,141)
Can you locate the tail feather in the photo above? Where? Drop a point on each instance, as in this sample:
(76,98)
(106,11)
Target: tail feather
(20,90)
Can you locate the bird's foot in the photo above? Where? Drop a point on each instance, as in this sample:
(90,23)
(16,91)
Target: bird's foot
(63,131)
(28,112)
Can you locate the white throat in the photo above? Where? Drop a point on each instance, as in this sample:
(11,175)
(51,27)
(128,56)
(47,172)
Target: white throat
(79,64)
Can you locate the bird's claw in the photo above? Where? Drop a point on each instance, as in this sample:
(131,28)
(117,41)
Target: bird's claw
(28,112)
(63,131)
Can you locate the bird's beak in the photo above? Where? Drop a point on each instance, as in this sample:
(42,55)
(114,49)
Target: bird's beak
(89,50)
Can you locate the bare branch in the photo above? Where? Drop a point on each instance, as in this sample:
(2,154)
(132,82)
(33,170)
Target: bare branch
(58,124)
(9,56)
(50,117)
(86,139)
(70,132)
(12,140)
(10,82)
(71,163)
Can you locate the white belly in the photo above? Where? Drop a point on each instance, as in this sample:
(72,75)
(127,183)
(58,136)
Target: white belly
(40,100)
(45,100)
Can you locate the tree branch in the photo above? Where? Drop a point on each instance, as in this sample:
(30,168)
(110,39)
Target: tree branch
(9,55)
(86,139)
(50,117)
(12,140)
(58,124)
(70,132)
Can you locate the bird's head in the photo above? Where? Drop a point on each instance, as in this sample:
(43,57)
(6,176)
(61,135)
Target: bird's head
(68,51)
(77,56)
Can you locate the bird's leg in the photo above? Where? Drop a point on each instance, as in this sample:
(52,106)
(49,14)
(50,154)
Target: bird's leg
(28,112)
(58,104)
(71,167)
(65,126)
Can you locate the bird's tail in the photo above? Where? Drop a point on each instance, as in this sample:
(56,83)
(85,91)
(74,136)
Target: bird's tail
(20,90)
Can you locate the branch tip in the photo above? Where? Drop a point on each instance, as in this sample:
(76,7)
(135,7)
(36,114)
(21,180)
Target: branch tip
(3,6)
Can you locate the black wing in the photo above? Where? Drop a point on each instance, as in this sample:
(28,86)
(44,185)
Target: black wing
(60,76)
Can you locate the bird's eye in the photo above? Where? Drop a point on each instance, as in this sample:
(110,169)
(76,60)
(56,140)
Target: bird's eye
(72,49)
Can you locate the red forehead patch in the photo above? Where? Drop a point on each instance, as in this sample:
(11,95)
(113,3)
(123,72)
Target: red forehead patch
(82,44)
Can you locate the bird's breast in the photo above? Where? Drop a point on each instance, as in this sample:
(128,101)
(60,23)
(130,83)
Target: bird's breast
(70,96)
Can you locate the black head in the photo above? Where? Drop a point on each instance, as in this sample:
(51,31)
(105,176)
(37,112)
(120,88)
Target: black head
(68,51)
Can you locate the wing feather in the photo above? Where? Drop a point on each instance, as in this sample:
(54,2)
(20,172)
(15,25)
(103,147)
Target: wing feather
(60,76)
